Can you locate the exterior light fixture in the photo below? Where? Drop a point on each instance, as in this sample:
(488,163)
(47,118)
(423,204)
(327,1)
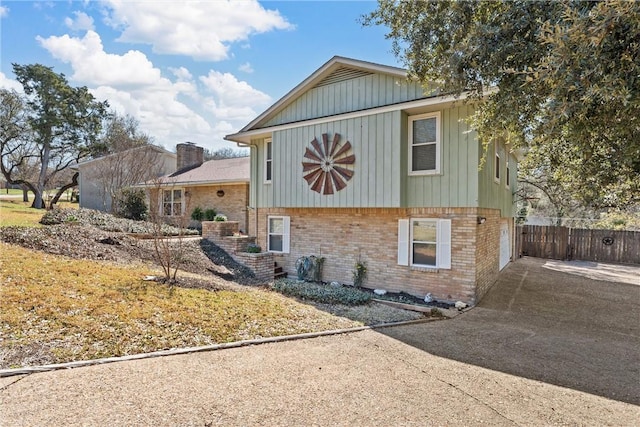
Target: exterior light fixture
(220,193)
(482,220)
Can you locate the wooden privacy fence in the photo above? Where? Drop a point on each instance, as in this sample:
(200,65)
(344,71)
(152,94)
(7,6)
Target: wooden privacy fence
(563,243)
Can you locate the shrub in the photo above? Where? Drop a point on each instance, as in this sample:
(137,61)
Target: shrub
(322,293)
(210,214)
(252,248)
(359,274)
(131,203)
(220,218)
(197,214)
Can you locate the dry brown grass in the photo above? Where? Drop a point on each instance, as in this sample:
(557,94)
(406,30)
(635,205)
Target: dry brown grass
(57,309)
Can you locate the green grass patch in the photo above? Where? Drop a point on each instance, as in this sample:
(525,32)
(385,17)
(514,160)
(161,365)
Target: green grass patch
(77,309)
(326,294)
(21,214)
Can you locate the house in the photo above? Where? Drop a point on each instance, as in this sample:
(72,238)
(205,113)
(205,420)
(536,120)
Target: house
(359,164)
(221,185)
(99,179)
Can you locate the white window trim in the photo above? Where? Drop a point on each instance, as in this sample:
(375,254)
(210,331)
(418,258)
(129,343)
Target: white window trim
(286,234)
(182,201)
(443,243)
(438,143)
(268,141)
(496,163)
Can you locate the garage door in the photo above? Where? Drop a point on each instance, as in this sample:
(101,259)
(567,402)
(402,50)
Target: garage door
(505,244)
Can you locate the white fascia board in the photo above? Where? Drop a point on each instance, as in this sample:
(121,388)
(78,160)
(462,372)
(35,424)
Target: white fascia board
(245,137)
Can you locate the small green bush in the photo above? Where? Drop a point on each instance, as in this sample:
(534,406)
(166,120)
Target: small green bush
(252,248)
(131,203)
(197,214)
(220,218)
(326,294)
(210,214)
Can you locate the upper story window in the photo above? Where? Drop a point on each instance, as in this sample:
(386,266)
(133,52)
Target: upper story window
(507,173)
(172,203)
(268,160)
(496,163)
(424,144)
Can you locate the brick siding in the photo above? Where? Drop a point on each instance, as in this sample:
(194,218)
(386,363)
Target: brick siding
(344,236)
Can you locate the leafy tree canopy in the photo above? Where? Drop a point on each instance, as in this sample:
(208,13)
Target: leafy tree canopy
(52,125)
(567,75)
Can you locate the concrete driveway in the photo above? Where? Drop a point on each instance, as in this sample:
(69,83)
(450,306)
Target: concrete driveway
(544,347)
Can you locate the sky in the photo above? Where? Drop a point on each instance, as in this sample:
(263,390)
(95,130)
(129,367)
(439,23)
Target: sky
(187,70)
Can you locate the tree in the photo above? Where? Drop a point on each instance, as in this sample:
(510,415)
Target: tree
(224,153)
(126,158)
(55,124)
(566,74)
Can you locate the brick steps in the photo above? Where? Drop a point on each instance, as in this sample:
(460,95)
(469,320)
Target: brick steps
(278,273)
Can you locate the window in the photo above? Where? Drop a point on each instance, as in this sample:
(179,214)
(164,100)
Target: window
(278,234)
(268,161)
(172,202)
(424,144)
(424,242)
(507,173)
(496,168)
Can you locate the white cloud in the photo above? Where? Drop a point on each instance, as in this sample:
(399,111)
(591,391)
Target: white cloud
(172,109)
(83,22)
(8,83)
(91,64)
(233,99)
(203,30)
(4,11)
(246,68)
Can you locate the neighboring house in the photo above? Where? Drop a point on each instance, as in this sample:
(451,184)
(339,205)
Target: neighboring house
(222,185)
(101,178)
(359,164)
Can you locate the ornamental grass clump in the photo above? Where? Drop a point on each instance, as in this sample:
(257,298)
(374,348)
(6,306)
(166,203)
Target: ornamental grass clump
(322,293)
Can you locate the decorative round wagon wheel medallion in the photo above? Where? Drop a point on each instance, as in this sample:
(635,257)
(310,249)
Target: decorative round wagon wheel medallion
(325,167)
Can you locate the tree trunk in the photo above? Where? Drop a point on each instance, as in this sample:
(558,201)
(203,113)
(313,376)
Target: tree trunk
(73,183)
(25,194)
(38,202)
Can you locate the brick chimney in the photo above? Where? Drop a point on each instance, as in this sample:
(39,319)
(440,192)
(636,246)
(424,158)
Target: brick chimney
(189,155)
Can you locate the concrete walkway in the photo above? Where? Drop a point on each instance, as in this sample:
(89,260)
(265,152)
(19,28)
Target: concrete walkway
(544,347)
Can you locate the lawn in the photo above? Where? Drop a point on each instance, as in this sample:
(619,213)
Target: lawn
(19,213)
(57,309)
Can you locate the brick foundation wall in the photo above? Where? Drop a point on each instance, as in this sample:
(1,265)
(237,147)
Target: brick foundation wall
(261,264)
(344,236)
(222,234)
(487,251)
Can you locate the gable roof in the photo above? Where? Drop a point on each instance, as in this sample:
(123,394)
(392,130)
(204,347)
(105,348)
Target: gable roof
(142,147)
(336,69)
(225,171)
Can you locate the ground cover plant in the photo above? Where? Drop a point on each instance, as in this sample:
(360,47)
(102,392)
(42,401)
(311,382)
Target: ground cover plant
(76,289)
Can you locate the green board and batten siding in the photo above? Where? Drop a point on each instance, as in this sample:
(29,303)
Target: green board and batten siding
(381,148)
(355,94)
(377,178)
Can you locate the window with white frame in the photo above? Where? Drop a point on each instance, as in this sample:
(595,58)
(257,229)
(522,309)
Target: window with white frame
(424,144)
(268,160)
(278,234)
(507,173)
(496,163)
(424,242)
(172,203)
